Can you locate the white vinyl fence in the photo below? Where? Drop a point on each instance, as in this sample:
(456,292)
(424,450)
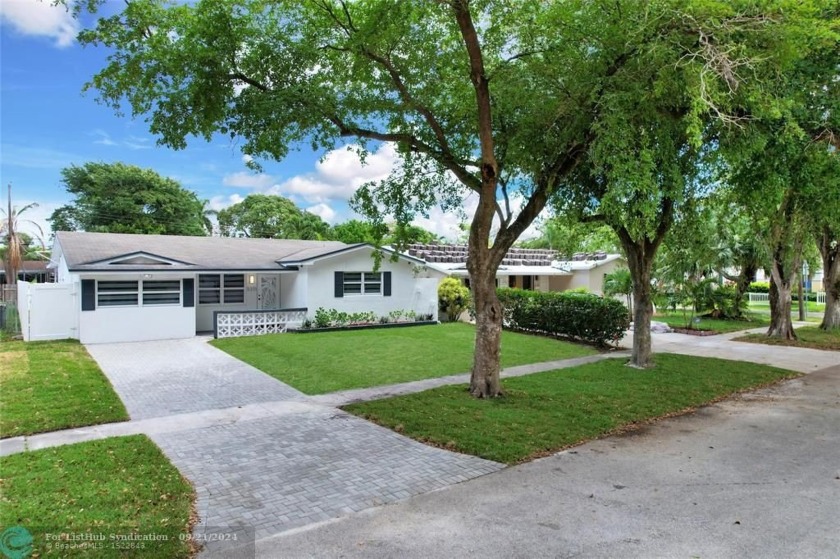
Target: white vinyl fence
(48,311)
(764,297)
(759,297)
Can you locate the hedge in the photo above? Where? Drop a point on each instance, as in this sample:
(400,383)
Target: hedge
(582,316)
(760,287)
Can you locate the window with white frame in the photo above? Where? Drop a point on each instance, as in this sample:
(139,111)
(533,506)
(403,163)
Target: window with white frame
(119,293)
(215,289)
(362,283)
(161,292)
(234,291)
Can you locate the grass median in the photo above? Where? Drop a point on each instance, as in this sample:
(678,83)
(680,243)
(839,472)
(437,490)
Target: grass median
(49,386)
(121,491)
(812,337)
(322,362)
(546,412)
(678,319)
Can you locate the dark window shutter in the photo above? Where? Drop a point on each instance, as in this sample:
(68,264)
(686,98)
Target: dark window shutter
(386,284)
(339,284)
(88,295)
(189,292)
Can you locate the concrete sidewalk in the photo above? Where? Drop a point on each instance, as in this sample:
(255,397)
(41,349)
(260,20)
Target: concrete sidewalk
(721,346)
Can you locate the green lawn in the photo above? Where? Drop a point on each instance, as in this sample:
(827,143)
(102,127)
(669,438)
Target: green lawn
(546,412)
(676,319)
(324,362)
(120,486)
(809,336)
(47,386)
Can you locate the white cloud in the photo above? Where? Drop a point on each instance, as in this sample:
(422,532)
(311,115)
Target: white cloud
(217,203)
(246,158)
(42,19)
(244,179)
(338,175)
(323,211)
(132,142)
(104,138)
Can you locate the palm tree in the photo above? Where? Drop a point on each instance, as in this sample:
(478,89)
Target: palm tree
(10,231)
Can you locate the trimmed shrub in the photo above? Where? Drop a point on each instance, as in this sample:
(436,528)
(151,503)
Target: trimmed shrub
(724,303)
(453,298)
(580,316)
(759,287)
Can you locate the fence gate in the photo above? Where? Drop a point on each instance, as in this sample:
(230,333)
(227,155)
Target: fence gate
(48,311)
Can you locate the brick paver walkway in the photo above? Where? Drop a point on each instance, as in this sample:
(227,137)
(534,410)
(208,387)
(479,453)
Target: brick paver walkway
(275,474)
(268,459)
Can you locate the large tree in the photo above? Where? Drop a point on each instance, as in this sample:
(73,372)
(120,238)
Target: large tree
(120,198)
(479,97)
(784,169)
(270,217)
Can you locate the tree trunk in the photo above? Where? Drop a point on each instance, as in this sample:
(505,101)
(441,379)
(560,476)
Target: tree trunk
(781,324)
(830,252)
(642,313)
(800,295)
(742,286)
(640,262)
(485,381)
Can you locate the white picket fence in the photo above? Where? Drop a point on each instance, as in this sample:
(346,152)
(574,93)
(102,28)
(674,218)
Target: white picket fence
(765,298)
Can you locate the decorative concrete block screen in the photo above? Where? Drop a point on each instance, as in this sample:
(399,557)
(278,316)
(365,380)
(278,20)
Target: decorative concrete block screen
(254,323)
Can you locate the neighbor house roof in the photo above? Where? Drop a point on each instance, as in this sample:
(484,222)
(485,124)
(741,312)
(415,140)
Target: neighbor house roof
(588,261)
(451,259)
(125,252)
(28,266)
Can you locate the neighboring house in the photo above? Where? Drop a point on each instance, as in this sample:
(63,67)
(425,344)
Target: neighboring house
(148,287)
(588,271)
(30,270)
(535,269)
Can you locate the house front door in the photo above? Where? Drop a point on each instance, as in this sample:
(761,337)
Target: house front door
(268,292)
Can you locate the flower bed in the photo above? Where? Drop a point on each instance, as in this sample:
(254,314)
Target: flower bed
(364,326)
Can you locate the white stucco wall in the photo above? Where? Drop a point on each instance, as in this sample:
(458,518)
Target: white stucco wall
(135,323)
(62,273)
(407,291)
(293,289)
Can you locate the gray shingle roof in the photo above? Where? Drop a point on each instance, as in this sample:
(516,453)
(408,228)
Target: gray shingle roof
(87,251)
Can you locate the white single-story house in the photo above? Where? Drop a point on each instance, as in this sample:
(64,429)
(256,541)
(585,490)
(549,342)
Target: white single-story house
(151,287)
(536,269)
(588,271)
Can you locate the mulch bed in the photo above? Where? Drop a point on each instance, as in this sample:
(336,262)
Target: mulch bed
(695,332)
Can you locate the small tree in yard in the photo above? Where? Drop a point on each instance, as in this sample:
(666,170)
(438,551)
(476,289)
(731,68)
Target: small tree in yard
(453,298)
(481,97)
(620,282)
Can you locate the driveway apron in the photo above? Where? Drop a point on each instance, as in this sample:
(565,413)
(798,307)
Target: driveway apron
(299,464)
(168,377)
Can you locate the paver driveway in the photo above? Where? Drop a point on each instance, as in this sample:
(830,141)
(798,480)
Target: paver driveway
(293,465)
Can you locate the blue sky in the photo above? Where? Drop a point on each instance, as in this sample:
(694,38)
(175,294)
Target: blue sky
(46,124)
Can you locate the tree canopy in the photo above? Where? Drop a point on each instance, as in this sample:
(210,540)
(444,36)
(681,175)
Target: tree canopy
(270,217)
(504,101)
(120,198)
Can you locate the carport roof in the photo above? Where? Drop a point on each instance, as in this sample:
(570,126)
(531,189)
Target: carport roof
(125,252)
